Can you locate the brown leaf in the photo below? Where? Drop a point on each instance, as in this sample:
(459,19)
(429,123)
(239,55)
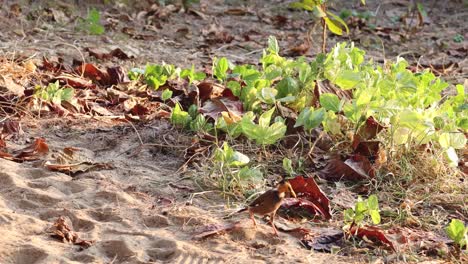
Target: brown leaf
(213,108)
(367,131)
(117,52)
(33,152)
(73,160)
(10,86)
(310,197)
(75,81)
(209,90)
(61,231)
(79,167)
(355,168)
(11,128)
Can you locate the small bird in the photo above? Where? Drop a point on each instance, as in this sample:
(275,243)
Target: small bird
(269,202)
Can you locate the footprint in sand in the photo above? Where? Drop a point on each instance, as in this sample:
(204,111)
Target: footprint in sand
(105,214)
(28,255)
(117,250)
(163,250)
(156,221)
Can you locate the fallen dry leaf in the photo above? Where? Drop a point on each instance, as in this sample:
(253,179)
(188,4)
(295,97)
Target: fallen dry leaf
(355,168)
(61,231)
(310,197)
(373,234)
(117,53)
(33,152)
(213,108)
(73,160)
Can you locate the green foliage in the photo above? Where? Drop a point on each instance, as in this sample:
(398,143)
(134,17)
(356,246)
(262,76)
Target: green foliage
(363,211)
(179,117)
(192,75)
(458,38)
(458,232)
(92,23)
(54,94)
(408,104)
(263,133)
(220,68)
(229,157)
(166,94)
(287,166)
(157,75)
(334,23)
(310,118)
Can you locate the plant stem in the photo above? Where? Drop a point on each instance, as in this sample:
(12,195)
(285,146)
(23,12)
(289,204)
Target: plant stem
(324,36)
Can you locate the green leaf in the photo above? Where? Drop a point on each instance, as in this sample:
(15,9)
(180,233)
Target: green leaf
(330,101)
(273,46)
(309,118)
(318,12)
(375,216)
(166,94)
(67,94)
(267,95)
(287,166)
(349,215)
(265,118)
(235,87)
(180,117)
(347,79)
(456,230)
(333,26)
(455,140)
(220,68)
(249,174)
(287,87)
(339,20)
(373,202)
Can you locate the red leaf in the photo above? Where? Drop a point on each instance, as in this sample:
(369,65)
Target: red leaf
(209,90)
(310,197)
(33,152)
(355,168)
(367,131)
(372,233)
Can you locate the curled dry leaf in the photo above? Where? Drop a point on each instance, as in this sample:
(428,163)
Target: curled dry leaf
(310,197)
(373,234)
(355,168)
(76,81)
(73,160)
(33,152)
(61,231)
(111,76)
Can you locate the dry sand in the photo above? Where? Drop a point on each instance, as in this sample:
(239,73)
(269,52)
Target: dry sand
(131,211)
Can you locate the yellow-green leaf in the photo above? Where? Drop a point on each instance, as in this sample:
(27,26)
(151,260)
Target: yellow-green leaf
(333,26)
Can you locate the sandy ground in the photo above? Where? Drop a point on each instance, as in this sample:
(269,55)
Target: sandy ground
(130,211)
